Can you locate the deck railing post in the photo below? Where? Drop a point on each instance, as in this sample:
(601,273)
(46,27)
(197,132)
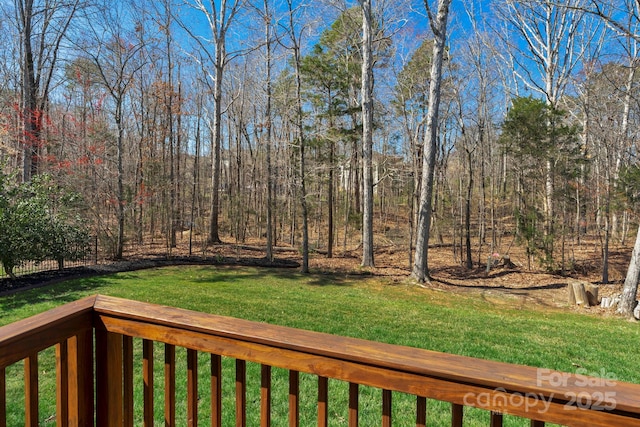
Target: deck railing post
(109,379)
(81,383)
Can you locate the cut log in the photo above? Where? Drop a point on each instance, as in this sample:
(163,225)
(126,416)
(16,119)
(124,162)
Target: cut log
(572,295)
(578,294)
(592,293)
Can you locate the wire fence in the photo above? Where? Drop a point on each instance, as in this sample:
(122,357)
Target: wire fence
(92,258)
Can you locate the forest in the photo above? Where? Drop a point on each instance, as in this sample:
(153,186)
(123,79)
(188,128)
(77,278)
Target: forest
(333,125)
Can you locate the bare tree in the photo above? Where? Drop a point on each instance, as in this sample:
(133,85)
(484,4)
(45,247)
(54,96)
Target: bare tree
(551,34)
(438,24)
(294,33)
(623,17)
(219,18)
(42,26)
(114,56)
(268,43)
(367,135)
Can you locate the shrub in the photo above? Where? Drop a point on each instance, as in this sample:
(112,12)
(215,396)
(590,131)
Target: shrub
(35,223)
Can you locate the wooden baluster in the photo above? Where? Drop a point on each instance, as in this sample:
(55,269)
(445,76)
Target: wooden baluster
(169,385)
(147,378)
(241,393)
(456,415)
(192,388)
(323,401)
(62,384)
(536,423)
(101,378)
(127,359)
(81,388)
(386,408)
(265,396)
(353,405)
(3,398)
(294,398)
(115,381)
(216,390)
(496,419)
(109,394)
(421,411)
(31,390)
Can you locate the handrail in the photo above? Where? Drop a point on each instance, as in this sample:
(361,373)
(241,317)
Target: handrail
(537,394)
(36,333)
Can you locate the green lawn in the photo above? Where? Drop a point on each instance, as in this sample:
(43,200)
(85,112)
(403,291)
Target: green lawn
(364,307)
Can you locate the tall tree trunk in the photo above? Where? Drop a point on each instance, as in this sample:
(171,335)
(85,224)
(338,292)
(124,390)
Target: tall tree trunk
(367,135)
(630,289)
(168,93)
(31,125)
(467,213)
(439,26)
(299,119)
(330,197)
(120,187)
(267,34)
(216,152)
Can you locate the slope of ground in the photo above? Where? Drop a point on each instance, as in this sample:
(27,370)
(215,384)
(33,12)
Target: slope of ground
(514,286)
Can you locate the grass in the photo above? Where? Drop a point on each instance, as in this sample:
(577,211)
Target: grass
(359,306)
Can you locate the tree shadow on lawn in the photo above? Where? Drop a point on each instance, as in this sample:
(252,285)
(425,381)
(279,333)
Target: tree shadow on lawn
(288,274)
(61,291)
(72,284)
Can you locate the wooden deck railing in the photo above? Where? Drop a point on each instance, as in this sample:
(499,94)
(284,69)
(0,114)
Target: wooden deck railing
(99,331)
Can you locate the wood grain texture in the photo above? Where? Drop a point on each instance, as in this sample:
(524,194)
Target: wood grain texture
(265,396)
(353,404)
(216,390)
(323,401)
(421,411)
(81,384)
(127,358)
(115,382)
(192,388)
(20,339)
(461,393)
(462,381)
(386,408)
(456,379)
(62,384)
(109,379)
(31,390)
(294,398)
(169,384)
(241,393)
(454,368)
(147,380)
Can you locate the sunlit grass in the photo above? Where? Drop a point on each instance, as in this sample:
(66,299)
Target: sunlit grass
(360,306)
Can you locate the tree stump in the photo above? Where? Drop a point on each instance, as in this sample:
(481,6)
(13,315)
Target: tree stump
(507,263)
(592,293)
(578,294)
